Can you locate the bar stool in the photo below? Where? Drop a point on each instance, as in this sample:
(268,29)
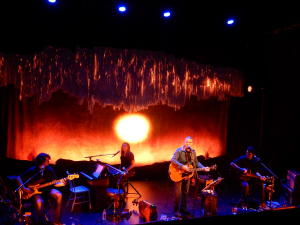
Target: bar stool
(127,183)
(113,195)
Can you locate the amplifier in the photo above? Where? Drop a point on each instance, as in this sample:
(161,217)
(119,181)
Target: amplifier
(293,180)
(291,197)
(147,211)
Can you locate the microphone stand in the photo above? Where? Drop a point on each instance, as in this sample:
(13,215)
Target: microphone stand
(272,185)
(90,157)
(118,211)
(196,192)
(20,193)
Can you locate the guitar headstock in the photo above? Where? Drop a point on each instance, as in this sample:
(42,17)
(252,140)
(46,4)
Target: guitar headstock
(213,167)
(72,176)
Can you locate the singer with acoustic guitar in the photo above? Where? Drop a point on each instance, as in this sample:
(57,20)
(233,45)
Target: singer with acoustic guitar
(46,175)
(183,160)
(247,166)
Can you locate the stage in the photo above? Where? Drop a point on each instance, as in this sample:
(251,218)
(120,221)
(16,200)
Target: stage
(155,187)
(154,191)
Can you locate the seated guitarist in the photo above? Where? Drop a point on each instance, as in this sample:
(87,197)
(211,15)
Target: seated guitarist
(183,157)
(248,164)
(48,175)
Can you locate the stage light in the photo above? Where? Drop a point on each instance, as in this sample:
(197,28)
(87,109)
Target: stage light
(230,22)
(167,14)
(122,8)
(132,128)
(249,88)
(52,1)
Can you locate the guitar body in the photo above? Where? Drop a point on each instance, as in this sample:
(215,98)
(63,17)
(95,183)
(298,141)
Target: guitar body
(34,189)
(177,174)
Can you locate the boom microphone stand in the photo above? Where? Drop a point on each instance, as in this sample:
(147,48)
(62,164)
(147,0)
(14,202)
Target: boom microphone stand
(20,193)
(272,185)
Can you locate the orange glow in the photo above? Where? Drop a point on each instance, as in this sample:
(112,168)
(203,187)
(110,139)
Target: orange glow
(249,88)
(132,128)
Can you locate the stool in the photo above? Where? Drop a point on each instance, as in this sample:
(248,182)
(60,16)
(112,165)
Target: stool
(127,183)
(112,193)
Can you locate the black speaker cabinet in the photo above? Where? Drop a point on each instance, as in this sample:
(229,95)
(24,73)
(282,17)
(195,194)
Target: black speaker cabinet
(210,202)
(293,180)
(291,197)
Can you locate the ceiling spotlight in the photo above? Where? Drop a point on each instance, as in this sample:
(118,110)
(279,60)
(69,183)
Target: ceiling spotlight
(52,1)
(167,14)
(122,8)
(230,22)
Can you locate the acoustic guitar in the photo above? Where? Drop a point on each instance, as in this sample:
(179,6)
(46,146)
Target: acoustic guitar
(247,176)
(35,187)
(177,174)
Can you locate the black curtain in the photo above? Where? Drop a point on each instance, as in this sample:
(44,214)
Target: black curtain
(281,128)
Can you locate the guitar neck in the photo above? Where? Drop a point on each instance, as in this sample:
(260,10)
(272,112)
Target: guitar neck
(48,184)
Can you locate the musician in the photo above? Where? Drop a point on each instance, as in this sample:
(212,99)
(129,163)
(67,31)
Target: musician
(182,157)
(127,162)
(248,164)
(42,162)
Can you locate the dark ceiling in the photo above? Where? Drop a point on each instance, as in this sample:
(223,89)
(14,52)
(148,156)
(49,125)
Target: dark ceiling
(196,30)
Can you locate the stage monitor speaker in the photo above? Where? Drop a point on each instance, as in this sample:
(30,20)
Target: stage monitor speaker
(291,197)
(293,180)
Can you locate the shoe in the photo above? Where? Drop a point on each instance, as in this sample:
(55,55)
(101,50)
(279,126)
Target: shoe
(177,213)
(185,212)
(264,206)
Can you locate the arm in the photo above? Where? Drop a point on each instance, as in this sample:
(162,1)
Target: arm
(131,165)
(262,178)
(177,164)
(63,181)
(175,161)
(24,189)
(243,170)
(199,165)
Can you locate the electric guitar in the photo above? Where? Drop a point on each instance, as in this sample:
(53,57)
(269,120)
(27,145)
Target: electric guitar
(35,187)
(177,174)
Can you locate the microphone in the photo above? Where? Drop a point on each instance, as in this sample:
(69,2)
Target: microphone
(189,147)
(123,168)
(116,153)
(258,159)
(42,170)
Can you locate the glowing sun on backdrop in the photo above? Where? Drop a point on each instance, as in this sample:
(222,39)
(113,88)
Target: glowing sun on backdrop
(132,128)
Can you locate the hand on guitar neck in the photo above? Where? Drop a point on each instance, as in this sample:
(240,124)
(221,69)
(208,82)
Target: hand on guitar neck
(187,169)
(257,175)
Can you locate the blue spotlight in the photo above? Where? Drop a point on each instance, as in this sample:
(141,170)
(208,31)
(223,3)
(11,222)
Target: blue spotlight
(52,1)
(230,22)
(167,14)
(122,8)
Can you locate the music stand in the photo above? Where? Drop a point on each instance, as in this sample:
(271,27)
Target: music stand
(210,188)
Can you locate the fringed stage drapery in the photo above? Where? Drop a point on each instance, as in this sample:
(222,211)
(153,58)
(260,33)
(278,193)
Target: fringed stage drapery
(39,115)
(133,79)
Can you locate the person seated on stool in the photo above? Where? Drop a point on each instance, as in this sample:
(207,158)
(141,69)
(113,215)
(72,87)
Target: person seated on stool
(127,162)
(248,164)
(42,162)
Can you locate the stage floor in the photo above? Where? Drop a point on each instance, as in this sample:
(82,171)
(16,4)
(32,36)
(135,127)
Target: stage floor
(155,192)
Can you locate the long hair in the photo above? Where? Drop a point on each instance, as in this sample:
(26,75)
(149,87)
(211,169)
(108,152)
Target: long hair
(41,158)
(128,150)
